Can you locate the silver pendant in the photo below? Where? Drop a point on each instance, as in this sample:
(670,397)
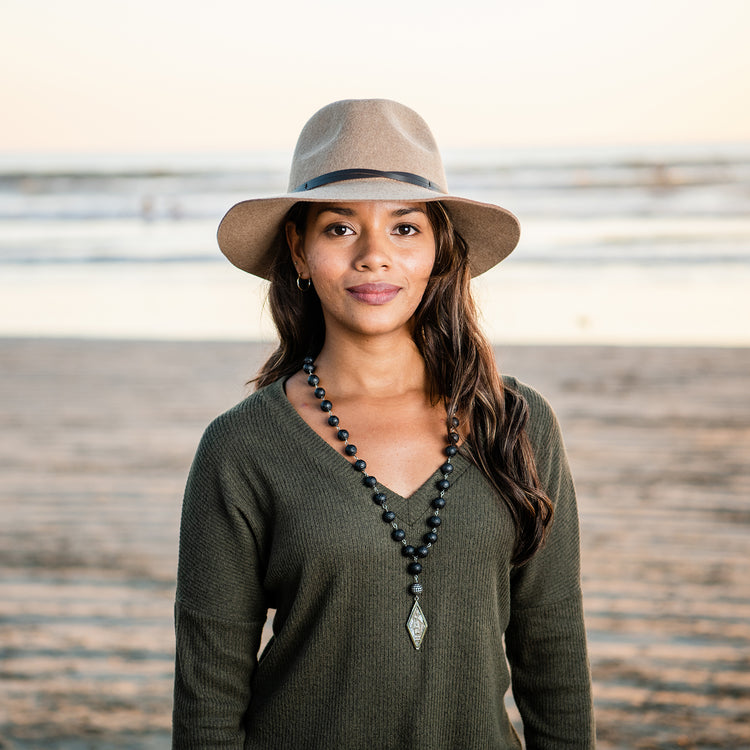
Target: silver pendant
(416,625)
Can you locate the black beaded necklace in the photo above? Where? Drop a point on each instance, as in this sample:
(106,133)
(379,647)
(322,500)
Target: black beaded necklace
(416,625)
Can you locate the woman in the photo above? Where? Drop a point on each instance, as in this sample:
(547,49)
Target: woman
(384,490)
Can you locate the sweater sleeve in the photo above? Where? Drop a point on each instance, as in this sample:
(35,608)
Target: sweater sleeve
(546,638)
(220,606)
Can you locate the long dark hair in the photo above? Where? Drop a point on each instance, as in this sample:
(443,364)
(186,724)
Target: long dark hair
(460,364)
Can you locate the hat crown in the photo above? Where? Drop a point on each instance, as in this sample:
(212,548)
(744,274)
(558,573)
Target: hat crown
(374,134)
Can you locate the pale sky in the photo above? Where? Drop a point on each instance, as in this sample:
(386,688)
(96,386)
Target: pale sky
(163,75)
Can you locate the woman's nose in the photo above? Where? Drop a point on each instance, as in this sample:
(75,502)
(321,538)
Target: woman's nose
(373,251)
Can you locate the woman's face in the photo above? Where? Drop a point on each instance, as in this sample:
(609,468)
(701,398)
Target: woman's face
(369,262)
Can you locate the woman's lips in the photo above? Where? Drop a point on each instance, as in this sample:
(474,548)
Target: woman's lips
(374,293)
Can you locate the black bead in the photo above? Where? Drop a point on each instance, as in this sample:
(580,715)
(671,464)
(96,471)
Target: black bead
(434,521)
(319,393)
(443,484)
(379,498)
(446,468)
(398,535)
(389,516)
(308,360)
(333,420)
(451,450)
(308,367)
(360,465)
(342,435)
(455,437)
(455,422)
(326,405)
(423,551)
(414,568)
(430,537)
(438,502)
(408,551)
(350,450)
(369,481)
(313,380)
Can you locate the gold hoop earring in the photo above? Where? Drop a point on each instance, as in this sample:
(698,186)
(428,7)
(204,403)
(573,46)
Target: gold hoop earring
(303,287)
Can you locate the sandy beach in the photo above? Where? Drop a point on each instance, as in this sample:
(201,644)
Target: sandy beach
(96,438)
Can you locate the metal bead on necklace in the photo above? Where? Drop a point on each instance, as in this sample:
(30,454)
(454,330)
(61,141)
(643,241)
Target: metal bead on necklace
(416,625)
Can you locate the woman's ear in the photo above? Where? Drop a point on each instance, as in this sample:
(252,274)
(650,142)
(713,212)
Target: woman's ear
(296,246)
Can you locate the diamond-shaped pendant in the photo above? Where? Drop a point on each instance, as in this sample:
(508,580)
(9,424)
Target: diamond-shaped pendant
(416,625)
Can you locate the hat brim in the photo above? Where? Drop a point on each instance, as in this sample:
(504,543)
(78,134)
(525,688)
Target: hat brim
(247,234)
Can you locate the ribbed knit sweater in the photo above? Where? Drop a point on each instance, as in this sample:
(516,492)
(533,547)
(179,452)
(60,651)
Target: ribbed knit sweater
(274,518)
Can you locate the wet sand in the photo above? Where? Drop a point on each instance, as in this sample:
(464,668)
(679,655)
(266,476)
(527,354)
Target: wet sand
(95,442)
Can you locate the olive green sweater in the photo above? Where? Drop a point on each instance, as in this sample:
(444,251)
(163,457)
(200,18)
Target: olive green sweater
(274,518)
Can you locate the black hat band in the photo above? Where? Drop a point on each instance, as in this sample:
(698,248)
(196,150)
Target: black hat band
(342,175)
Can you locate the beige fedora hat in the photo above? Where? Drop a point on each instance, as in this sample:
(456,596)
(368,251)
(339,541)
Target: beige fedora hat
(365,149)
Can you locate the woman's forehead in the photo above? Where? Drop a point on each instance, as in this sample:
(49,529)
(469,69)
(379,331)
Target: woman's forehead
(365,208)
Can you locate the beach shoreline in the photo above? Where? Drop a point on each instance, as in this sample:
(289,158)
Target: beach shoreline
(521,303)
(97,438)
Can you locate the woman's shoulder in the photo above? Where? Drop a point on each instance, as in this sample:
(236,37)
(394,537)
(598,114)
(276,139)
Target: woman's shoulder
(539,407)
(257,413)
(547,443)
(542,425)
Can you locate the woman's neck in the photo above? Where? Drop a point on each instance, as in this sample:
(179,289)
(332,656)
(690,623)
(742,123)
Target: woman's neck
(373,366)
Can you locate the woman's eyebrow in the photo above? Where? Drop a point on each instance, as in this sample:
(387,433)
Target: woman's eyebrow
(408,210)
(340,210)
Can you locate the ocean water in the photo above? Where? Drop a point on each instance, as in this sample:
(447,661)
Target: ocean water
(638,245)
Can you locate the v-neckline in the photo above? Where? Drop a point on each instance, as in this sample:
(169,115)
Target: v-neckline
(409,509)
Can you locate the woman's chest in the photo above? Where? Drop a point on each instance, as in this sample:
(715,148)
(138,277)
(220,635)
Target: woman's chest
(326,527)
(402,442)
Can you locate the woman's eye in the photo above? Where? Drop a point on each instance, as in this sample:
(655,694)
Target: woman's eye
(406,229)
(339,230)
